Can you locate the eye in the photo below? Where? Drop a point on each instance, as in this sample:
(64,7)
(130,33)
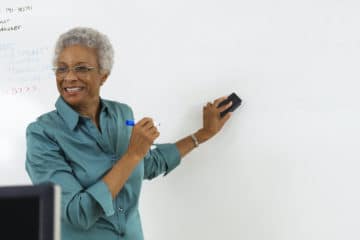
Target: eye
(61,69)
(81,69)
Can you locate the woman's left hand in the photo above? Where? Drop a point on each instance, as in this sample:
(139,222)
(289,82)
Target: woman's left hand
(212,122)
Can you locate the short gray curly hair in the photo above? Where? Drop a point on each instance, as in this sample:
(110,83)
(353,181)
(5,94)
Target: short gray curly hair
(90,38)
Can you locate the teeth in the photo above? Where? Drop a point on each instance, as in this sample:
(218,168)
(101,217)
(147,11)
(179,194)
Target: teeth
(74,89)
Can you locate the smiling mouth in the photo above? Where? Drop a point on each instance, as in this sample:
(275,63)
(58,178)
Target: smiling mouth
(73,89)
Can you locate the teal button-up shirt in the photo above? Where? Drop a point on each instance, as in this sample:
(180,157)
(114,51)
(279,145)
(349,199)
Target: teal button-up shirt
(67,149)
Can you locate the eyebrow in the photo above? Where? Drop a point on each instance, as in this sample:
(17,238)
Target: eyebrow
(78,63)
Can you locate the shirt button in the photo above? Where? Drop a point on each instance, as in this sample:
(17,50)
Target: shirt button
(120,209)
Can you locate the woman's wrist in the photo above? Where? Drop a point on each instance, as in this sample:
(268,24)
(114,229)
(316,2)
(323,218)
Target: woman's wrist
(202,136)
(130,156)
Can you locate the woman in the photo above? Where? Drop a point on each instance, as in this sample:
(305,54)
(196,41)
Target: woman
(86,147)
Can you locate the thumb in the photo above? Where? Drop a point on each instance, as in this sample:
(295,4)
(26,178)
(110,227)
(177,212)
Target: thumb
(226,117)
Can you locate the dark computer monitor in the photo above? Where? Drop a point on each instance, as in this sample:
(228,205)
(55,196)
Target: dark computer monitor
(30,212)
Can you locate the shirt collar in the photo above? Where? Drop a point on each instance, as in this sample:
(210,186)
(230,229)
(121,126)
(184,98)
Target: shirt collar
(104,107)
(70,116)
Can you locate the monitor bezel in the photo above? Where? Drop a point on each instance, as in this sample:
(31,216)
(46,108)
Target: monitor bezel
(49,204)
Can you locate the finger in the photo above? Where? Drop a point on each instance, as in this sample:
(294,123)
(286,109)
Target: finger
(153,135)
(143,121)
(219,100)
(156,134)
(226,117)
(223,108)
(147,123)
(152,130)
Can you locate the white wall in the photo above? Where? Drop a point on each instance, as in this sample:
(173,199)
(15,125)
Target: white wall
(286,165)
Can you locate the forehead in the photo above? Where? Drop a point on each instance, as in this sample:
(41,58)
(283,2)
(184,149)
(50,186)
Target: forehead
(77,54)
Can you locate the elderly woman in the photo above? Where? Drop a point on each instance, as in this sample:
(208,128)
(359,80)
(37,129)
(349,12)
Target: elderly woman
(86,147)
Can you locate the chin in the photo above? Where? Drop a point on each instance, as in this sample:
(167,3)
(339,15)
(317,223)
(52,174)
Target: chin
(72,101)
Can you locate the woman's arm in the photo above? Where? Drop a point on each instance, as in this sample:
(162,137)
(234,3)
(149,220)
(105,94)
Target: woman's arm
(212,124)
(45,162)
(82,207)
(142,137)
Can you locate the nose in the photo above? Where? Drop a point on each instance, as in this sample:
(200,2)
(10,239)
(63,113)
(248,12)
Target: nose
(70,75)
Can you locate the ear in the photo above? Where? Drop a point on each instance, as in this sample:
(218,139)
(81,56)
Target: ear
(103,78)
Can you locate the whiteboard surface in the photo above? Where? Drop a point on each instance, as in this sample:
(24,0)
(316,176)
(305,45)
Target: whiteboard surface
(284,167)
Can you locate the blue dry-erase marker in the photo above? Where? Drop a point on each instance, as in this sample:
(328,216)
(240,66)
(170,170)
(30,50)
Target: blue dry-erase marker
(130,123)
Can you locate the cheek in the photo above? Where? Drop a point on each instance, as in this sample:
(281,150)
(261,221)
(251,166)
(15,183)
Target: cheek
(58,83)
(94,84)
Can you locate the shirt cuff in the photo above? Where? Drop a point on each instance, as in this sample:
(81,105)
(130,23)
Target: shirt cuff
(172,155)
(100,192)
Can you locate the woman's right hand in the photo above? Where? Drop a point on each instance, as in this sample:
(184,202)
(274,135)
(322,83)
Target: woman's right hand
(142,137)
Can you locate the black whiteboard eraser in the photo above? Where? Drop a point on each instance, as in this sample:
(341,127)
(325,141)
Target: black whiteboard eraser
(236,102)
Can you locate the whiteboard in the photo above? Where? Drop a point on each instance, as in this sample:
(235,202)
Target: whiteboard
(286,164)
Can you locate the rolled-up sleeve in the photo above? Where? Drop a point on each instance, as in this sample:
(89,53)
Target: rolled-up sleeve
(45,162)
(162,159)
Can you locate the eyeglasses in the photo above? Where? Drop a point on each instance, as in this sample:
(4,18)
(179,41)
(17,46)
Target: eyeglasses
(79,70)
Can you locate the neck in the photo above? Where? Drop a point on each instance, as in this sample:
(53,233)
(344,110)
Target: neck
(91,110)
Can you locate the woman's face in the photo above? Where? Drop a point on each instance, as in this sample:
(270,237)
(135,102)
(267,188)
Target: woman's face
(79,88)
